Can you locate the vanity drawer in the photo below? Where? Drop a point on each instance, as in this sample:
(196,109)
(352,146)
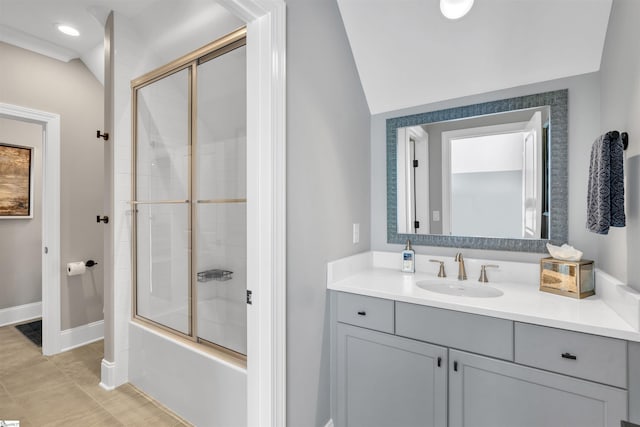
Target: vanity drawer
(591,357)
(368,312)
(463,331)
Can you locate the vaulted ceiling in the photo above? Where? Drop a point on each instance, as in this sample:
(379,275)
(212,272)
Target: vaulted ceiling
(408,54)
(31,24)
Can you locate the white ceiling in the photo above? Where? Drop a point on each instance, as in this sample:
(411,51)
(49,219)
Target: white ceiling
(31,24)
(408,54)
(165,25)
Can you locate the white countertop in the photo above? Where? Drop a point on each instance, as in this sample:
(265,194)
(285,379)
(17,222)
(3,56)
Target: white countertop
(369,274)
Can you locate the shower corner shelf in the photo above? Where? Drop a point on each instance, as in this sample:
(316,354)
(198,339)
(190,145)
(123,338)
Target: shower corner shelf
(215,274)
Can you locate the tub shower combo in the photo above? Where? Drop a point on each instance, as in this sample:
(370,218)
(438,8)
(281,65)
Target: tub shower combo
(189,196)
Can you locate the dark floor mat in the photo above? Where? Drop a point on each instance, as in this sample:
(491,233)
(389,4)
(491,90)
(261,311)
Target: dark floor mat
(33,331)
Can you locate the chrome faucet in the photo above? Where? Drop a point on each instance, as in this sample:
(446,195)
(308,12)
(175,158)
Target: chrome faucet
(462,273)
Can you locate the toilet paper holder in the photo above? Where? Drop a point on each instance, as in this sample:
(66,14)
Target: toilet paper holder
(78,268)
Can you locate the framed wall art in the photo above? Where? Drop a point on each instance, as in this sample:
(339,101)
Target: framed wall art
(16,181)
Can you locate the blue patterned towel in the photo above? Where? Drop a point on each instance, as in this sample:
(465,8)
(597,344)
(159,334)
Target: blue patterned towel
(605,196)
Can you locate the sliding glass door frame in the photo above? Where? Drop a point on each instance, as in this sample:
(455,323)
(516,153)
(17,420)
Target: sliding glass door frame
(188,62)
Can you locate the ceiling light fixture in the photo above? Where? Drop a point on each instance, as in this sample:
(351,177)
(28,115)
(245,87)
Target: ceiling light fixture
(66,29)
(455,9)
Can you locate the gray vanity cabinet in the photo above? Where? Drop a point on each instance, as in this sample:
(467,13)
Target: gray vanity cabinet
(385,380)
(487,392)
(399,364)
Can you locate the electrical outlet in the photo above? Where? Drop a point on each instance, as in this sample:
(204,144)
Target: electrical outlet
(356,233)
(436,215)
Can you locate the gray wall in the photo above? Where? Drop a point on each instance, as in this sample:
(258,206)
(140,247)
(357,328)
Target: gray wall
(20,257)
(620,94)
(327,191)
(584,118)
(69,89)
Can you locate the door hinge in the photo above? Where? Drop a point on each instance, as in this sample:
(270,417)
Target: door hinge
(249,301)
(416,224)
(415,163)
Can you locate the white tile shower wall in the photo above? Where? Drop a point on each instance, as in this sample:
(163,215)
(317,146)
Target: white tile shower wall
(162,166)
(215,323)
(222,245)
(222,168)
(163,264)
(162,152)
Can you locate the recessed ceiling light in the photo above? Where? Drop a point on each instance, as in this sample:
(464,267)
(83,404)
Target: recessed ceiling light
(455,9)
(66,29)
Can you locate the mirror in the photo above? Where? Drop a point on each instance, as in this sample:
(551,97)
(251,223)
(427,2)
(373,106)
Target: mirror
(479,176)
(491,175)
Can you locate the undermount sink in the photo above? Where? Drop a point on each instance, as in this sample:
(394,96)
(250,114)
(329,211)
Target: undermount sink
(459,288)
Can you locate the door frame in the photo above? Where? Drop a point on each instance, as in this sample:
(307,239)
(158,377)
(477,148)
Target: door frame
(266,219)
(446,138)
(50,123)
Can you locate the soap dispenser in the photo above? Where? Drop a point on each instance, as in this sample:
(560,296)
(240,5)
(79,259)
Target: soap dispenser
(408,259)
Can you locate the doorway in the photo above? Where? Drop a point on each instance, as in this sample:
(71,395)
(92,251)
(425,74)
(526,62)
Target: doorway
(50,123)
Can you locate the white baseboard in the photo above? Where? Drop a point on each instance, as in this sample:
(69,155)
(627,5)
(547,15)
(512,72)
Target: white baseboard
(107,375)
(329,423)
(20,313)
(81,335)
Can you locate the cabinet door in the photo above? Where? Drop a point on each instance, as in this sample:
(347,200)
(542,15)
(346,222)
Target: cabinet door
(384,380)
(493,393)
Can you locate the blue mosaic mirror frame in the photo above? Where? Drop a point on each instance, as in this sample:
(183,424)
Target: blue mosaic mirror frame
(558,102)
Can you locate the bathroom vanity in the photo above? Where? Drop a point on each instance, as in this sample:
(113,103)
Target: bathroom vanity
(405,356)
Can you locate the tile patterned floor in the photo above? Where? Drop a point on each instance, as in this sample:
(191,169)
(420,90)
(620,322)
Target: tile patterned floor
(63,390)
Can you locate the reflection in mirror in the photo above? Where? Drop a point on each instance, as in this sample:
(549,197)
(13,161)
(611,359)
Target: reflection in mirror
(491,175)
(480,176)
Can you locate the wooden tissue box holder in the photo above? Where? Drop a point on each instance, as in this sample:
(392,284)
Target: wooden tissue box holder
(569,278)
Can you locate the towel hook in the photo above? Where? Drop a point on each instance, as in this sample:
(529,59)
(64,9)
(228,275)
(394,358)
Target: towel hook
(614,134)
(105,135)
(625,140)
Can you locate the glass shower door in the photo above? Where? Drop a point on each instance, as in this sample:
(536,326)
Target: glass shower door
(220,258)
(161,202)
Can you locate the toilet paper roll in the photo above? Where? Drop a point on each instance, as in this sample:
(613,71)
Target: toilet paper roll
(75,268)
